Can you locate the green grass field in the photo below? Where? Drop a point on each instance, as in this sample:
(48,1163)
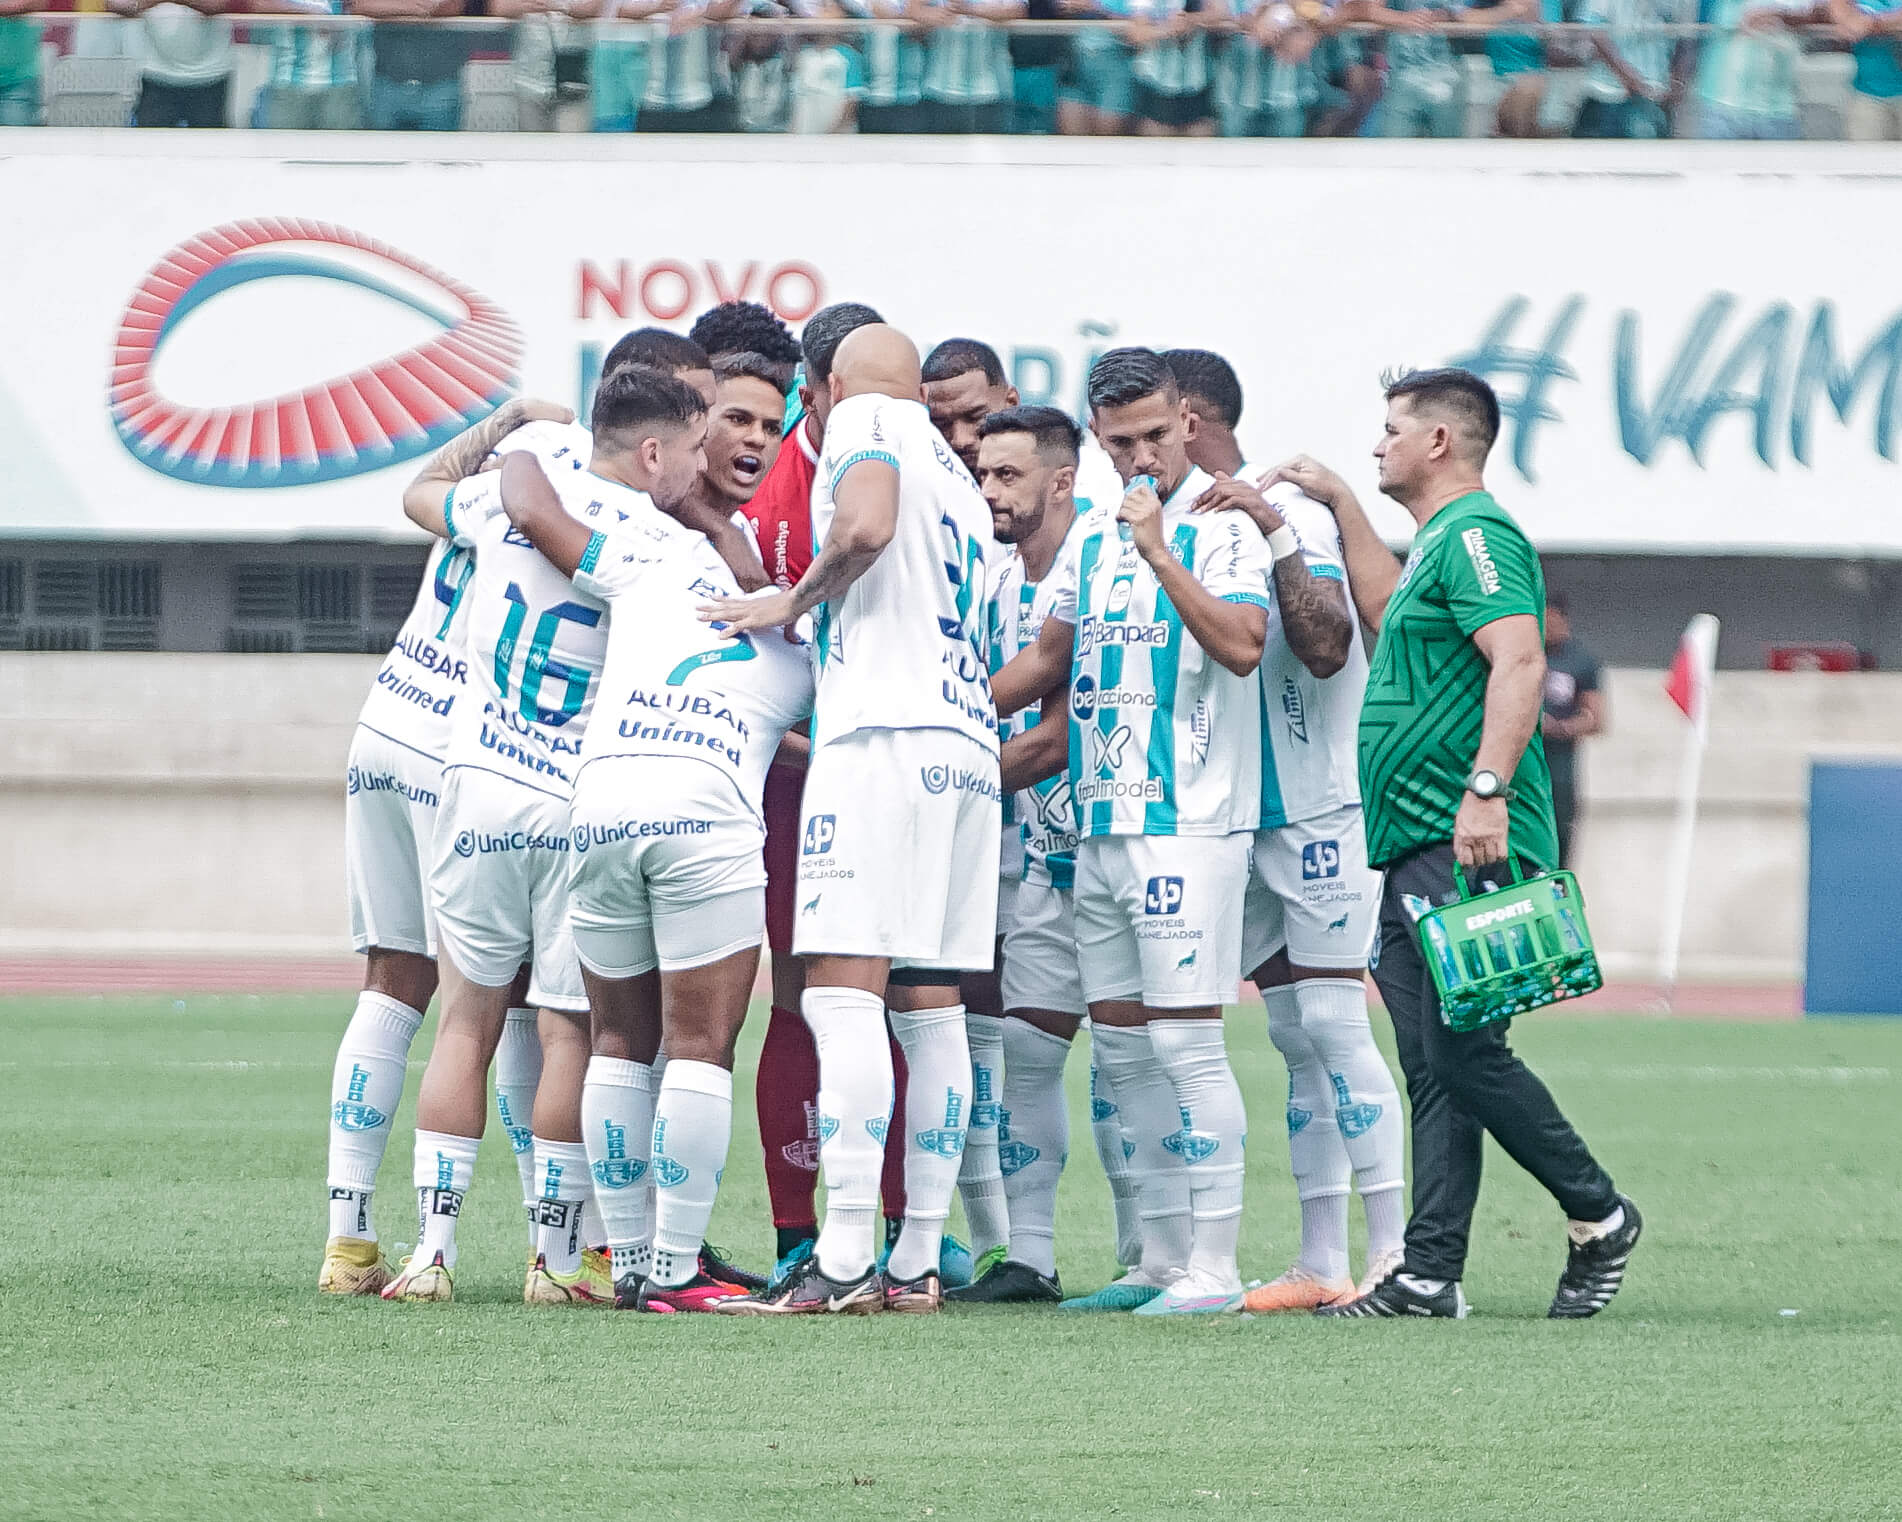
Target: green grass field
(163,1353)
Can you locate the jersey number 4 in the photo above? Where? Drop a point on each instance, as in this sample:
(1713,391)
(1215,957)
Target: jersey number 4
(537,667)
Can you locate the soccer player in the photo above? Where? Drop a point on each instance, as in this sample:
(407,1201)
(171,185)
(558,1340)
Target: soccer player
(897,869)
(394,780)
(667,873)
(1309,921)
(1027,471)
(746,327)
(964,384)
(1452,771)
(499,880)
(786,1088)
(1161,633)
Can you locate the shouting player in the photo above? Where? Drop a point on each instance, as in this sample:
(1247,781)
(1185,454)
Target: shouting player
(1161,632)
(394,782)
(667,872)
(897,880)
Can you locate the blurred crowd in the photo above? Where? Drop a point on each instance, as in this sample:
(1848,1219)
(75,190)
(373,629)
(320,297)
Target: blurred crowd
(1233,68)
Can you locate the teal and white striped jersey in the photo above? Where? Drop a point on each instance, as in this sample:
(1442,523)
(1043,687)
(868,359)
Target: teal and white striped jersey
(903,647)
(1040,834)
(536,643)
(1310,727)
(1164,740)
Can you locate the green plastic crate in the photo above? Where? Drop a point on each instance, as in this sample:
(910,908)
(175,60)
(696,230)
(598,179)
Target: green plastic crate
(1521,947)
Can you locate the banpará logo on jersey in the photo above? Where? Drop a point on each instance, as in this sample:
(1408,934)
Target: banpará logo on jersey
(820,830)
(1320,858)
(392,409)
(1162,895)
(959,779)
(1474,539)
(1097,633)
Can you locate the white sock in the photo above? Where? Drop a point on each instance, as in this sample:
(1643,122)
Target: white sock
(518,1073)
(1037,1145)
(561,1176)
(1320,1163)
(1366,1103)
(693,1122)
(1582,1232)
(855,1108)
(366,1085)
(445,1167)
(1112,1151)
(1151,1119)
(594,1230)
(937,1108)
(1214,1132)
(980,1179)
(617,1128)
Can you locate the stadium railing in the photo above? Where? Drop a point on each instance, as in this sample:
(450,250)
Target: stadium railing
(1208,75)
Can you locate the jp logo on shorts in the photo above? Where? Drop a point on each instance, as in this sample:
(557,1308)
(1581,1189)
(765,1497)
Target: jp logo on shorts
(1320,858)
(1083,698)
(819,832)
(1163,896)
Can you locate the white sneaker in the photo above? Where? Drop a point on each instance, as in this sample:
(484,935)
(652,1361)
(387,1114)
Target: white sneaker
(1196,1294)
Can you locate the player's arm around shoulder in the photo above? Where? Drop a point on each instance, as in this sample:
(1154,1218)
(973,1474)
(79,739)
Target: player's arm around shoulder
(425,497)
(534,507)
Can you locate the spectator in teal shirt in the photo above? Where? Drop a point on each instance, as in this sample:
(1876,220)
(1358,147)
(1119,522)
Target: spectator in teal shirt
(19,65)
(1746,77)
(1875,26)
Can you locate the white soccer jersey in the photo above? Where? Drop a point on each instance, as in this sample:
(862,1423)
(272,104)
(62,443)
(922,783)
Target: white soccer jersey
(535,643)
(903,648)
(559,446)
(1310,727)
(672,686)
(1043,817)
(1164,739)
(418,686)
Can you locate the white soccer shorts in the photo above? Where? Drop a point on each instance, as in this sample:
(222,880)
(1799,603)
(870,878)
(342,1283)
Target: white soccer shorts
(1159,917)
(389,830)
(1040,960)
(1312,892)
(499,883)
(898,850)
(667,870)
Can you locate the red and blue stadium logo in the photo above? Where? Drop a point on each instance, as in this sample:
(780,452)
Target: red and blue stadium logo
(383,413)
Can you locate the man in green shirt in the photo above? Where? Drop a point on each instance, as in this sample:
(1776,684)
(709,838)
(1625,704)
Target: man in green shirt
(1452,769)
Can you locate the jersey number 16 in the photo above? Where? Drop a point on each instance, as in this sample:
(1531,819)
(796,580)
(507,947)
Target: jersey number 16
(536,665)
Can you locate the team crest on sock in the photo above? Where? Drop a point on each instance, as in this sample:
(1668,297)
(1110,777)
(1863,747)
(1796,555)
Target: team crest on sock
(521,1138)
(352,1113)
(1012,1156)
(947,1140)
(878,1127)
(828,1127)
(1189,1144)
(617,1170)
(1356,1120)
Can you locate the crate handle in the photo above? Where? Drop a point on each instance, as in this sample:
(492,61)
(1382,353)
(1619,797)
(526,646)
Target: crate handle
(1459,877)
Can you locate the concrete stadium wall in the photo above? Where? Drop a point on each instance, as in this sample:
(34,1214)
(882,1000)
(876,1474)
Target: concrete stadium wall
(195,803)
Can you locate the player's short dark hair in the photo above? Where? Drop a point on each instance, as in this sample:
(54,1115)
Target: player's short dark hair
(758,366)
(658,350)
(1123,376)
(1055,431)
(1471,402)
(826,329)
(638,399)
(960,356)
(1205,375)
(745,327)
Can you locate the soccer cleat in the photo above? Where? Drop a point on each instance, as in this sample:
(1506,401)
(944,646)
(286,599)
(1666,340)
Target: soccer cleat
(1296,1290)
(955,1266)
(546,1287)
(1403,1295)
(991,1258)
(352,1266)
(810,1293)
(1595,1270)
(917,1297)
(700,1293)
(599,1268)
(1124,1294)
(431,1282)
(1010,1283)
(1389,1262)
(627,1291)
(715,1264)
(787,1267)
(1195,1295)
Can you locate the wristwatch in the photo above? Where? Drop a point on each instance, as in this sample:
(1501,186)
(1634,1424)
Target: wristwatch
(1485,784)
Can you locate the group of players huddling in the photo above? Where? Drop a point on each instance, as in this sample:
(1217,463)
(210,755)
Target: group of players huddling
(580,797)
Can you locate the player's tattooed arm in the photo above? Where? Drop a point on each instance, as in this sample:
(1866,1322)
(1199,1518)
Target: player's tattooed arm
(1315,619)
(1372,569)
(864,518)
(535,509)
(463,455)
(729,542)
